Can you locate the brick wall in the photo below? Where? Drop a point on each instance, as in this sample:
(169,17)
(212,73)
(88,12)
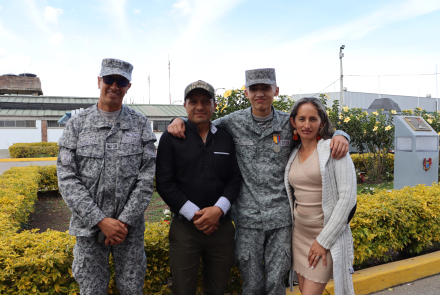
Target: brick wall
(44,130)
(20,85)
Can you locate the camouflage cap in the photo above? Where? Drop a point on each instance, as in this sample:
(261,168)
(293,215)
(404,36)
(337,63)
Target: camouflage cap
(260,76)
(113,66)
(202,85)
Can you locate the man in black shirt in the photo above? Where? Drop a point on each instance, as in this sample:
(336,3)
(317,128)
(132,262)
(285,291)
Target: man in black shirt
(199,178)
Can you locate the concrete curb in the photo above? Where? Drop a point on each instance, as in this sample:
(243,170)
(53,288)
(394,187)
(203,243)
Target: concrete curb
(28,159)
(388,275)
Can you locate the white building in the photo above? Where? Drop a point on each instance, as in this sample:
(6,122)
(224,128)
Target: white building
(34,118)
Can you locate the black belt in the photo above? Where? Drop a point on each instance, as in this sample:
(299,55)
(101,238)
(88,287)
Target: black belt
(179,216)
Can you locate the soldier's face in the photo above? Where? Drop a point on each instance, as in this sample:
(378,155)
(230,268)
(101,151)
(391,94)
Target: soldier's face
(261,97)
(199,106)
(111,95)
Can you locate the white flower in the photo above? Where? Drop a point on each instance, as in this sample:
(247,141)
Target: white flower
(166,211)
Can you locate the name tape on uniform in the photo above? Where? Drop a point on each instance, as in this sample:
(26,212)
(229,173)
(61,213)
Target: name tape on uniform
(243,141)
(87,139)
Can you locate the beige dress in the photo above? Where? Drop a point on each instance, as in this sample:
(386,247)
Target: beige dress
(306,179)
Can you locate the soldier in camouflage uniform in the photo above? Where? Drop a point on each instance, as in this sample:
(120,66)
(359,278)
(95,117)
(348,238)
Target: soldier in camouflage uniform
(262,216)
(106,166)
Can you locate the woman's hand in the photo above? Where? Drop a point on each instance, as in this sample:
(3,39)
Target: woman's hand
(317,252)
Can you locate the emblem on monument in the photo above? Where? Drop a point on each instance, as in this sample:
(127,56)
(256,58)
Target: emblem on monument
(427,163)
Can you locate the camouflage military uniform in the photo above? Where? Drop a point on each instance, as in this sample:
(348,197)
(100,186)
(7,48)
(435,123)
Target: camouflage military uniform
(262,211)
(107,170)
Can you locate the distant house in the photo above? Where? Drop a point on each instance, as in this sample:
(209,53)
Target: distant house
(27,116)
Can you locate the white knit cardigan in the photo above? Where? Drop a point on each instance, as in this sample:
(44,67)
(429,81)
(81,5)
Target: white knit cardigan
(338,199)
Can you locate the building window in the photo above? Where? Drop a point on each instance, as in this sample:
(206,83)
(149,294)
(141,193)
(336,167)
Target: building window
(54,124)
(160,126)
(18,124)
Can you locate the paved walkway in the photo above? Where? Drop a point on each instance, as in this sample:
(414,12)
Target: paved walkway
(7,165)
(4,154)
(425,286)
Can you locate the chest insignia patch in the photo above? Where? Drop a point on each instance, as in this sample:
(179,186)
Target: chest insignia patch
(283,143)
(65,158)
(111,145)
(85,140)
(132,138)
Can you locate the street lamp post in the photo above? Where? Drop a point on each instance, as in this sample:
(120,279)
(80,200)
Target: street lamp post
(341,55)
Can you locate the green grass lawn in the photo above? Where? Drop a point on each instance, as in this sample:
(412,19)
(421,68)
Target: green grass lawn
(383,185)
(154,212)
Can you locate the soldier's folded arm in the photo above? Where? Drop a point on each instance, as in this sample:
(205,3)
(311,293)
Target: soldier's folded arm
(143,189)
(75,194)
(165,180)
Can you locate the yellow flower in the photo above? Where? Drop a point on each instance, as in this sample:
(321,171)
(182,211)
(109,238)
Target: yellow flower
(393,112)
(439,133)
(429,121)
(365,131)
(375,128)
(328,113)
(339,122)
(243,87)
(340,116)
(419,108)
(387,128)
(227,93)
(345,109)
(375,113)
(327,95)
(346,120)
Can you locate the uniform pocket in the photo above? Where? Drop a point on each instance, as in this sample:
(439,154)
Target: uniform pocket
(131,158)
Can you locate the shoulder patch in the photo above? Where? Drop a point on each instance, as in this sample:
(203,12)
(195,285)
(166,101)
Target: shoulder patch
(66,158)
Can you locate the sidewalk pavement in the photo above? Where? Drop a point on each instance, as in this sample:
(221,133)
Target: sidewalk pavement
(7,165)
(425,286)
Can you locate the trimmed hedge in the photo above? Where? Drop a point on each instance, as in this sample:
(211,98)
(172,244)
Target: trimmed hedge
(30,262)
(28,150)
(359,164)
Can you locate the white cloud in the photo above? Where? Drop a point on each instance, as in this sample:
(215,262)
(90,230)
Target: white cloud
(136,11)
(2,52)
(15,63)
(115,11)
(56,38)
(183,6)
(1,7)
(51,14)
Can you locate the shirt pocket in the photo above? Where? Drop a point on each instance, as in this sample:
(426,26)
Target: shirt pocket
(131,158)
(89,160)
(247,151)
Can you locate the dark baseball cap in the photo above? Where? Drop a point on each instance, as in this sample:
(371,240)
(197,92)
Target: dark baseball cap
(201,85)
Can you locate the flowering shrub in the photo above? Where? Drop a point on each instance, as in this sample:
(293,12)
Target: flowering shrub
(235,99)
(372,133)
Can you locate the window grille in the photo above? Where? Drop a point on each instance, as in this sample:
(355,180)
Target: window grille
(160,126)
(18,124)
(54,124)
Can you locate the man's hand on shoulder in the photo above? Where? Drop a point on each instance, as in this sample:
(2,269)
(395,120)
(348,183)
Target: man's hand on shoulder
(177,128)
(207,219)
(339,146)
(114,230)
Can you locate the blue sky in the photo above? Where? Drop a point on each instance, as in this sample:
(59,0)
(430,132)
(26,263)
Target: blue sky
(217,40)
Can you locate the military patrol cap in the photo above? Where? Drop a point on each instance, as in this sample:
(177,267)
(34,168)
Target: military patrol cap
(113,66)
(202,85)
(260,76)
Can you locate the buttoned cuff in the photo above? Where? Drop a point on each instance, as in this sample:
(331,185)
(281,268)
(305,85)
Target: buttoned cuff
(93,218)
(223,204)
(188,210)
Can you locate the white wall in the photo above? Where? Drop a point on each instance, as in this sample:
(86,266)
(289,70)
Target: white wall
(158,135)
(54,134)
(9,136)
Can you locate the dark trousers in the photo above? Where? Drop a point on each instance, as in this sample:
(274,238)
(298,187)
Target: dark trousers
(188,244)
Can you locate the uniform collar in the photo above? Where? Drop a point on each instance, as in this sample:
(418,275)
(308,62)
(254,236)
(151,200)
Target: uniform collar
(124,118)
(274,127)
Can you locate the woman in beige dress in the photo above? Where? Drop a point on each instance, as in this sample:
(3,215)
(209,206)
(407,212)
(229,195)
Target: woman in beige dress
(322,193)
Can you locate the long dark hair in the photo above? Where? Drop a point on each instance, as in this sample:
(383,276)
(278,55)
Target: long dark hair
(326,132)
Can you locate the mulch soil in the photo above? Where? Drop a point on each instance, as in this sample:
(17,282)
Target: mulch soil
(52,212)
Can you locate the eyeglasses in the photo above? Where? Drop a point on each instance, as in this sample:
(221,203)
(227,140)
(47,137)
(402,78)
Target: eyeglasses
(122,82)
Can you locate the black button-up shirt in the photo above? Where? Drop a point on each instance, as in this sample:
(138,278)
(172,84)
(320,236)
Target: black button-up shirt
(187,169)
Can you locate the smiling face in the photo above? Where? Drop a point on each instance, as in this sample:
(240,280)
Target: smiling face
(307,121)
(199,106)
(261,97)
(111,96)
